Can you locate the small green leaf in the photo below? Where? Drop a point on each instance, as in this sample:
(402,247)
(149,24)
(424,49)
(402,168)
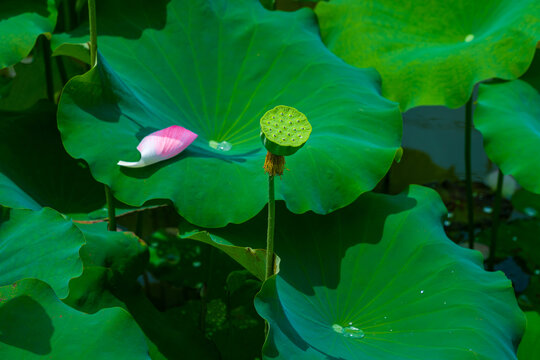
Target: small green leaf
(254,260)
(21,22)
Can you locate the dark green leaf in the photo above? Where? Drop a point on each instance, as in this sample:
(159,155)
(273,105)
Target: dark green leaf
(35,324)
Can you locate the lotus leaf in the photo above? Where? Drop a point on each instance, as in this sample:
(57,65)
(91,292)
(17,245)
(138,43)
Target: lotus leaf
(508,116)
(433,52)
(56,331)
(380,280)
(218,85)
(42,245)
(21,22)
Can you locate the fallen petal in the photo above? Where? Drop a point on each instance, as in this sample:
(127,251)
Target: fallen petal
(162,145)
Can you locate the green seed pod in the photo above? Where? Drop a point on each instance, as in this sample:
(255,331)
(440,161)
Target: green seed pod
(284,130)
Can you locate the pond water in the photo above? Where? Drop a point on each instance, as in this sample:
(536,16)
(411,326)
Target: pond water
(440,132)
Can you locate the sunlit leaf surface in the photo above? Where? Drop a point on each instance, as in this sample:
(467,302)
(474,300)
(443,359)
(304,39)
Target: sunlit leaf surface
(433,52)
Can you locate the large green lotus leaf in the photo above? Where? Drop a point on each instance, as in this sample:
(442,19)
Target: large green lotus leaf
(35,324)
(215,67)
(380,280)
(40,244)
(508,116)
(21,22)
(433,52)
(529,348)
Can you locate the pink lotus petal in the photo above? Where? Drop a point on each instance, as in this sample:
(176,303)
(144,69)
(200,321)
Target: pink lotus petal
(162,145)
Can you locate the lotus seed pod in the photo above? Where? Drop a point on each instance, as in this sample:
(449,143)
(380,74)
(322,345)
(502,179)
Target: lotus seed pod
(284,130)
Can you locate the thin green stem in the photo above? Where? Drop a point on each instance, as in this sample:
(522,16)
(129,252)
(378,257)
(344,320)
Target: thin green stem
(67,15)
(271,225)
(93,32)
(45,46)
(110,209)
(496,221)
(61,69)
(468,172)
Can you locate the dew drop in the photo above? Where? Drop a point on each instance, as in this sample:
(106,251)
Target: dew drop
(514,238)
(283,139)
(290,122)
(274,135)
(421,291)
(530,211)
(268,122)
(293,139)
(196,264)
(469,38)
(281,113)
(221,146)
(273,117)
(487,209)
(447,223)
(348,331)
(537,272)
(299,136)
(288,134)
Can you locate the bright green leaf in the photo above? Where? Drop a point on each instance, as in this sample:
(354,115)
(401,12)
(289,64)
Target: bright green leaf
(433,52)
(529,348)
(163,72)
